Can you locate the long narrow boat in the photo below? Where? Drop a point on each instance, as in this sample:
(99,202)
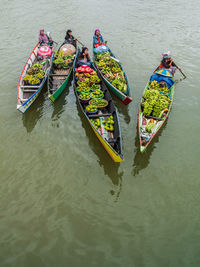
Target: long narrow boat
(125,97)
(111,140)
(59,77)
(149,126)
(26,93)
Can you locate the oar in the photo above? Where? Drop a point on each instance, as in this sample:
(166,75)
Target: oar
(180,71)
(80,42)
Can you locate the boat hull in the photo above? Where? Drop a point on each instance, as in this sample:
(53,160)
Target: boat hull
(24,104)
(57,93)
(114,153)
(124,98)
(161,122)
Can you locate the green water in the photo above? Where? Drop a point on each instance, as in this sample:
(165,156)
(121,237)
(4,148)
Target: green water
(63,202)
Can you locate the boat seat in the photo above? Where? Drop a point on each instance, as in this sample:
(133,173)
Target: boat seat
(29,91)
(29,86)
(54,75)
(99,115)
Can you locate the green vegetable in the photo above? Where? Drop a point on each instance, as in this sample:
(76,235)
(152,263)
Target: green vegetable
(97,94)
(91,108)
(96,123)
(99,102)
(109,123)
(154,103)
(84,96)
(34,81)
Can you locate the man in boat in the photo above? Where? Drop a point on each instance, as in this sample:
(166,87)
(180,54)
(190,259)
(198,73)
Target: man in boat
(165,71)
(84,58)
(69,38)
(44,39)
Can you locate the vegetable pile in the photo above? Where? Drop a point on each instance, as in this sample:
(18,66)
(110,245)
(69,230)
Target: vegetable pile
(61,60)
(96,94)
(99,103)
(89,87)
(154,103)
(91,108)
(84,96)
(34,75)
(112,71)
(96,123)
(109,124)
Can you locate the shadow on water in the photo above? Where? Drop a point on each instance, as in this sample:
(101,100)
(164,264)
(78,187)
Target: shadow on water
(59,104)
(141,160)
(34,113)
(123,109)
(111,169)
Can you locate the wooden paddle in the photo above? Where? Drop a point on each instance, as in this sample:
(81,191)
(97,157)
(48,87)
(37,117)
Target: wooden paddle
(180,71)
(80,42)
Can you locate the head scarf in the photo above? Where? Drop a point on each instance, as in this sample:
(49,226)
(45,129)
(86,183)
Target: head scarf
(166,55)
(96,31)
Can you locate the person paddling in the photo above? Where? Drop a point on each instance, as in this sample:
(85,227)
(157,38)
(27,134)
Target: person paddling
(97,39)
(165,71)
(69,38)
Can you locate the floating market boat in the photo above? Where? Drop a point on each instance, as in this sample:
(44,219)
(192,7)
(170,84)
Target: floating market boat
(98,108)
(60,73)
(152,116)
(33,76)
(121,92)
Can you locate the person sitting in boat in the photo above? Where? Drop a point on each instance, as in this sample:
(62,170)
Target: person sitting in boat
(43,39)
(84,58)
(167,63)
(98,39)
(69,38)
(165,71)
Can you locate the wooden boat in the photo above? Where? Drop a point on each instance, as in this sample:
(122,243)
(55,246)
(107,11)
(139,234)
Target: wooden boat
(125,97)
(111,141)
(27,94)
(58,79)
(145,137)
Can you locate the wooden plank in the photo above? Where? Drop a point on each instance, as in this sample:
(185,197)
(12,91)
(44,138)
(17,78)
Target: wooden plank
(29,86)
(57,75)
(29,91)
(99,115)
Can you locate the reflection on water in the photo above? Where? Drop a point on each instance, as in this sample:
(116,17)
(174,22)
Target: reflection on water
(111,169)
(34,113)
(59,104)
(123,109)
(141,160)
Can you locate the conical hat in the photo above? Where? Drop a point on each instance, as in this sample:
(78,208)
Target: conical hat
(164,72)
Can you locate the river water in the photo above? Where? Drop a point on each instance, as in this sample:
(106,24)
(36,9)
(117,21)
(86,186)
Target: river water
(63,202)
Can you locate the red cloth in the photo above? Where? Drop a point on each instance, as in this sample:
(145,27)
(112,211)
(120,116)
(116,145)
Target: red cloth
(84,69)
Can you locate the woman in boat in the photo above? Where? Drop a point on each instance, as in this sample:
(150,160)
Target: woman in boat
(97,39)
(43,39)
(84,58)
(69,38)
